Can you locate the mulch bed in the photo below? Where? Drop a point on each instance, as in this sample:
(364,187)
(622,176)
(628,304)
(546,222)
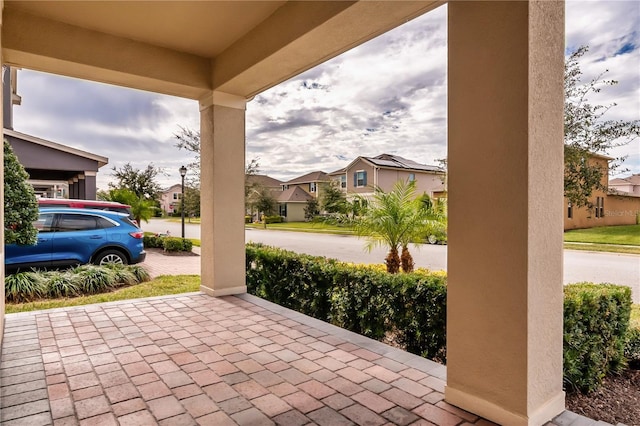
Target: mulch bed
(617,401)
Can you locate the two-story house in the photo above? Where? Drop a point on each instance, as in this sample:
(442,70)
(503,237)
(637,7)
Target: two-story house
(170,199)
(297,192)
(364,174)
(619,205)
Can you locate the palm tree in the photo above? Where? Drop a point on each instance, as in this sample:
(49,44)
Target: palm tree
(393,219)
(141,208)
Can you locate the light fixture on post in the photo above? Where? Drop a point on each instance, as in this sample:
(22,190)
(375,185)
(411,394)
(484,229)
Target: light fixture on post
(183,172)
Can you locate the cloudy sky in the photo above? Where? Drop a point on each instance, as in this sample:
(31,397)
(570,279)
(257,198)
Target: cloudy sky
(388,95)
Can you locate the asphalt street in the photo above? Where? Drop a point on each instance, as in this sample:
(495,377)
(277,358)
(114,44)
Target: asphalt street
(621,269)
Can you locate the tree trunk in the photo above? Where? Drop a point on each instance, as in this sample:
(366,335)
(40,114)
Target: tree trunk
(393,261)
(406,260)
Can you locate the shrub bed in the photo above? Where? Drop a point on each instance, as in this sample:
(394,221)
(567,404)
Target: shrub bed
(363,299)
(412,308)
(170,244)
(87,279)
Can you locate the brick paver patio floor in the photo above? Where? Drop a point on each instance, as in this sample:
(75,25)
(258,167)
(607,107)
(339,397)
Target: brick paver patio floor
(194,359)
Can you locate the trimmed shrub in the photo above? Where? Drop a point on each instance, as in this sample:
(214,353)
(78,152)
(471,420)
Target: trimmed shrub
(362,299)
(596,320)
(632,348)
(152,240)
(273,219)
(248,219)
(173,244)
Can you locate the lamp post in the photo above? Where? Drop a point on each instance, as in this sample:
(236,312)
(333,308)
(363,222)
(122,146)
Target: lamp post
(183,172)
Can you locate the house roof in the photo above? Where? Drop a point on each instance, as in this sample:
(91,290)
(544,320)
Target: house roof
(397,162)
(264,180)
(102,161)
(172,188)
(318,176)
(631,180)
(390,161)
(294,195)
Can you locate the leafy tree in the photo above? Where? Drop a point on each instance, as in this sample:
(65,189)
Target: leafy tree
(141,182)
(311,210)
(392,219)
(334,199)
(20,204)
(191,202)
(141,209)
(587,132)
(263,201)
(189,140)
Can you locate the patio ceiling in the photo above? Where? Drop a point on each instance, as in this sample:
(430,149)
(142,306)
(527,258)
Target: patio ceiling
(189,48)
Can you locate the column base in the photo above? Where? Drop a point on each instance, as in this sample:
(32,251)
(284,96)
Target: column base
(490,411)
(224,291)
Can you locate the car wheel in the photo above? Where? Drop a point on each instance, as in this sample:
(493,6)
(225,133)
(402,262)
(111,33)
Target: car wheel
(432,239)
(111,256)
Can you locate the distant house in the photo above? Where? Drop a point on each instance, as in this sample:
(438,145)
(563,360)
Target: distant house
(619,205)
(628,185)
(296,192)
(364,174)
(170,199)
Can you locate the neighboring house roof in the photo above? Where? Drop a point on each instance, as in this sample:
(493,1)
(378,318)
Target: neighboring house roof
(338,172)
(390,161)
(171,188)
(102,161)
(264,180)
(294,195)
(318,176)
(631,180)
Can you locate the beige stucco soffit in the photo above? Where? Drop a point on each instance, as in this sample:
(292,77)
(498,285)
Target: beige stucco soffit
(42,44)
(301,35)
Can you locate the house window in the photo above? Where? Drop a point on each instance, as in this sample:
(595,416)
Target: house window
(360,178)
(412,177)
(599,206)
(285,187)
(176,195)
(343,181)
(283,210)
(312,187)
(570,210)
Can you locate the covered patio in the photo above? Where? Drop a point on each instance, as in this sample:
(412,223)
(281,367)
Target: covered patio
(505,152)
(195,359)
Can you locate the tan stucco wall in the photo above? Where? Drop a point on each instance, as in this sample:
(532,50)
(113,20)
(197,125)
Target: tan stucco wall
(357,166)
(618,210)
(425,182)
(295,212)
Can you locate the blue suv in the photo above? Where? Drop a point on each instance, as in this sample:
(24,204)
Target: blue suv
(77,236)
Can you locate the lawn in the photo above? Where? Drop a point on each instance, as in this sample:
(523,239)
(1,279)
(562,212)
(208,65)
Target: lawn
(619,235)
(160,286)
(319,227)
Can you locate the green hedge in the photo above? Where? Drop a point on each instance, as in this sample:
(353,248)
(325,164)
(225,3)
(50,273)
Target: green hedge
(596,322)
(412,307)
(273,219)
(362,299)
(171,244)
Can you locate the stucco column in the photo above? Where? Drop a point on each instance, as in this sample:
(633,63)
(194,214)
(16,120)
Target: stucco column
(504,309)
(90,185)
(82,193)
(222,141)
